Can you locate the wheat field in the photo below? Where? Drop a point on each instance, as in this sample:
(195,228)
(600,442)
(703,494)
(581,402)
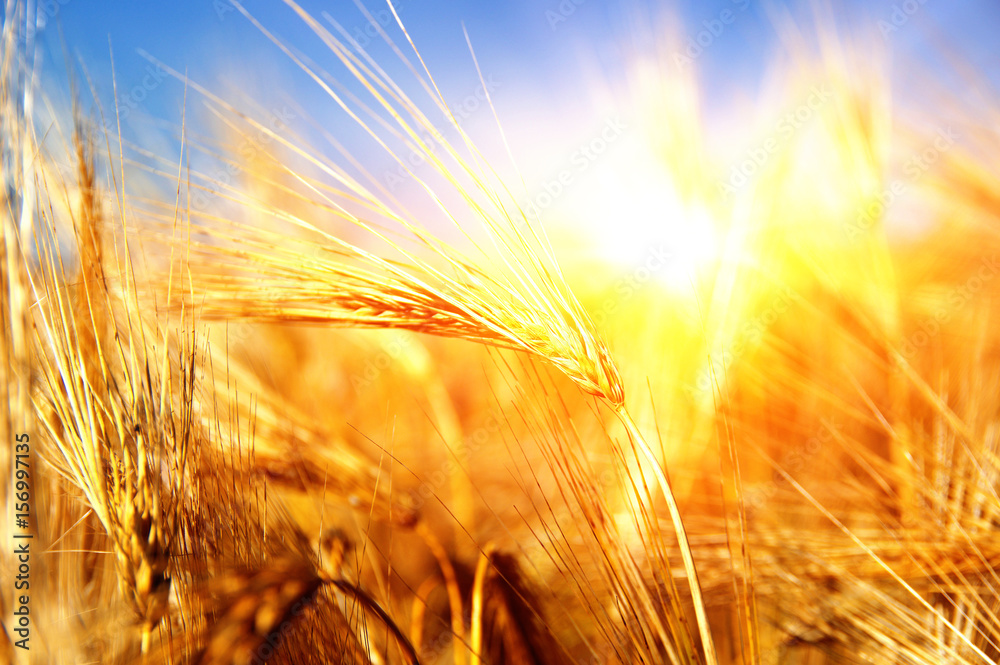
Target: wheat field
(261,408)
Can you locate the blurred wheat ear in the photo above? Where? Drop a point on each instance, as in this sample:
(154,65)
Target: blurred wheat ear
(254,606)
(118,415)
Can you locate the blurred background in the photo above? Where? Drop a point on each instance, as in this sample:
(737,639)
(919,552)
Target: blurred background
(781,217)
(563,75)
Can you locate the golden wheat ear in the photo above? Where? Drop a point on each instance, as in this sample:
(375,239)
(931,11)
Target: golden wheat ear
(114,396)
(509,293)
(506,626)
(512,295)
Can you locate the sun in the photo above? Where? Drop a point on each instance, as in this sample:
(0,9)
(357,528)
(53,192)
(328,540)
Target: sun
(630,208)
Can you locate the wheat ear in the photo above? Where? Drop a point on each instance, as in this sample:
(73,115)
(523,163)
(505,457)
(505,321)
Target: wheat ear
(513,297)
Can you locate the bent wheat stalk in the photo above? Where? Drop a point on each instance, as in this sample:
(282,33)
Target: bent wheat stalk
(513,297)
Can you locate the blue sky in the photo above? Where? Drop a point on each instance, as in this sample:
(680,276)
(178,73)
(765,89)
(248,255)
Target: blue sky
(544,54)
(533,43)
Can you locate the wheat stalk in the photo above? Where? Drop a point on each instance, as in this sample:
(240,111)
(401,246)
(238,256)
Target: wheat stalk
(523,303)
